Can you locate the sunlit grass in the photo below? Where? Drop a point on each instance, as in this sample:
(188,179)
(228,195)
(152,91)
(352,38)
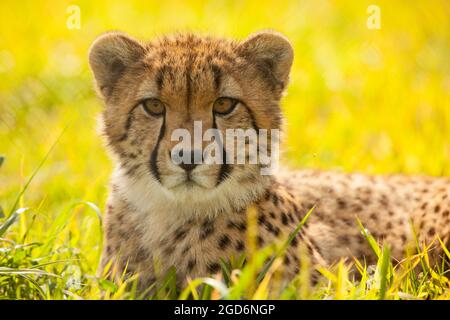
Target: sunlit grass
(51,270)
(376,101)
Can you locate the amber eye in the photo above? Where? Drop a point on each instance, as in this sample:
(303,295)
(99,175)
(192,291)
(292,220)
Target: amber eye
(224,105)
(153,107)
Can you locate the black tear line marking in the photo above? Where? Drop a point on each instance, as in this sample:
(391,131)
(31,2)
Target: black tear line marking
(154,155)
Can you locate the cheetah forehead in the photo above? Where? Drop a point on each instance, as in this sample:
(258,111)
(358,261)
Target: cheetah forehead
(181,48)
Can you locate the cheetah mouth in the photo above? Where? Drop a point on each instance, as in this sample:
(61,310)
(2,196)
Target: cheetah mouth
(187,184)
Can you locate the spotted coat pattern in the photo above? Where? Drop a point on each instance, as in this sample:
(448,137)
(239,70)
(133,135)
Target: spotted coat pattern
(159,216)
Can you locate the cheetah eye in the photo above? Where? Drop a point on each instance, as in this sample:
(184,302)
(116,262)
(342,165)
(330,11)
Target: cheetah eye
(224,105)
(153,107)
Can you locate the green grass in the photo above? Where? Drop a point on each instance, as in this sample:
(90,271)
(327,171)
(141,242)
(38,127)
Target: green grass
(359,100)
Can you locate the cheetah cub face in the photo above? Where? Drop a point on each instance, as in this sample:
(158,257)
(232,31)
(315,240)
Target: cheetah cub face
(152,89)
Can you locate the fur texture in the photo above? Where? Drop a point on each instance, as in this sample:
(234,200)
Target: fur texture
(158,214)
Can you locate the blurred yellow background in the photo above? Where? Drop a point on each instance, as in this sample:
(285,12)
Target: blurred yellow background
(375,101)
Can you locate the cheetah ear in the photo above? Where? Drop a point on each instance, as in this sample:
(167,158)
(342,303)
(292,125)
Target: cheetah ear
(272,53)
(109,56)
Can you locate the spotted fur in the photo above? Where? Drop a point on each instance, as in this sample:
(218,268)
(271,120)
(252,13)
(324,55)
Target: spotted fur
(156,219)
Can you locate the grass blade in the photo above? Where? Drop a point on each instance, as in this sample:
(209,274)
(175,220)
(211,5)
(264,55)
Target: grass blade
(366,234)
(384,270)
(25,187)
(285,245)
(10,220)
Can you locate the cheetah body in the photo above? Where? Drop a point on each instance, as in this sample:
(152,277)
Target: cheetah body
(155,219)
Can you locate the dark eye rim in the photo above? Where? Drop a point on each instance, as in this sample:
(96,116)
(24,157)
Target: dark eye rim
(148,111)
(233,107)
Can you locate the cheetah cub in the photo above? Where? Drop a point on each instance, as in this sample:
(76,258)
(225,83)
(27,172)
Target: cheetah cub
(191,215)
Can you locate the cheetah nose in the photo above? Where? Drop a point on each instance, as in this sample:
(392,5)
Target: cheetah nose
(188,167)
